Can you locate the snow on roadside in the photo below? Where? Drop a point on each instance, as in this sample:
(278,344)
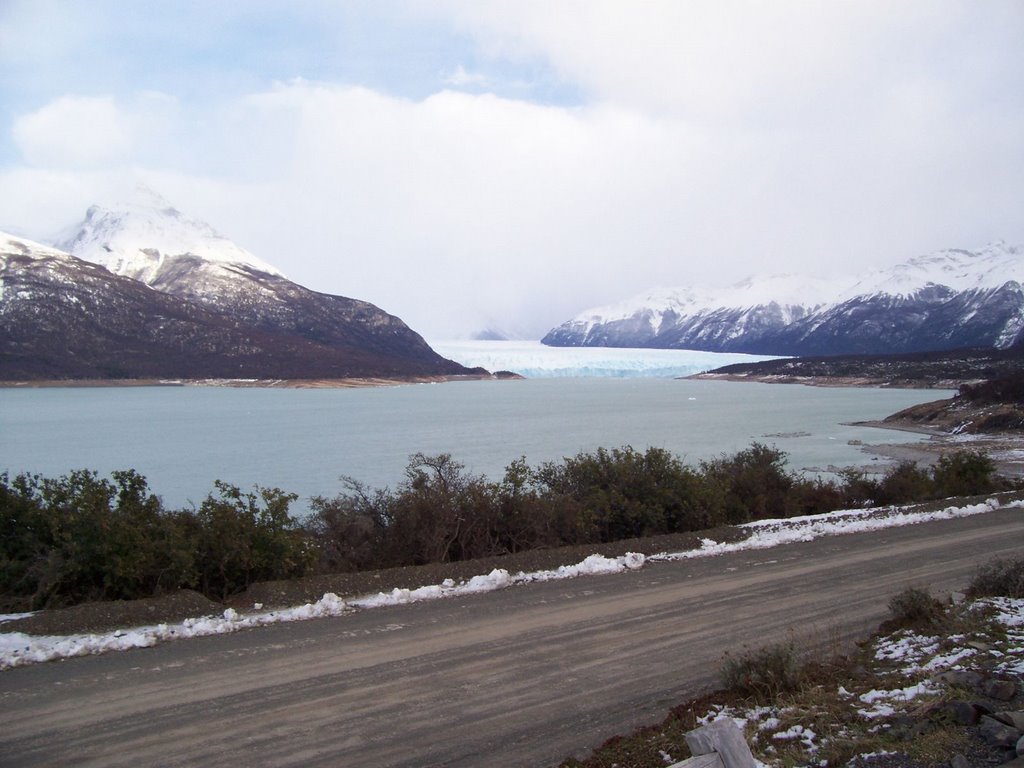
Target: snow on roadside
(772,533)
(17,649)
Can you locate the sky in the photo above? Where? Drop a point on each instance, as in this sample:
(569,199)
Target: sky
(506,164)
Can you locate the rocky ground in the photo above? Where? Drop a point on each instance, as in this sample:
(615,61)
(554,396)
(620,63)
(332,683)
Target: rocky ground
(946,692)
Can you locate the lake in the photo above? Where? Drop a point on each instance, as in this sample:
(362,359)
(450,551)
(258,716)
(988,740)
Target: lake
(183,438)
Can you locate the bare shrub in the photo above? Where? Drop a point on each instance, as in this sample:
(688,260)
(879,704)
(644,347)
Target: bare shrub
(999,578)
(914,607)
(763,674)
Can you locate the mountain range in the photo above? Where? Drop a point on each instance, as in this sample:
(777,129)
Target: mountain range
(945,300)
(140,290)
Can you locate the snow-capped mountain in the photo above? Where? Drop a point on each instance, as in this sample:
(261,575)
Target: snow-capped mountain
(62,317)
(144,238)
(953,298)
(152,242)
(65,318)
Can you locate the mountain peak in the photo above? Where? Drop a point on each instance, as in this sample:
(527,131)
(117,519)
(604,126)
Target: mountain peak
(138,237)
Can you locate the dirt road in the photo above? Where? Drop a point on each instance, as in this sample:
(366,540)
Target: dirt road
(522,677)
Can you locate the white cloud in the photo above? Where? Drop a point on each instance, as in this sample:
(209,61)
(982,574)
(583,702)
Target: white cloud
(460,78)
(74,131)
(83,132)
(716,140)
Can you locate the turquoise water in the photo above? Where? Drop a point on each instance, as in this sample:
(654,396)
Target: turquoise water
(184,438)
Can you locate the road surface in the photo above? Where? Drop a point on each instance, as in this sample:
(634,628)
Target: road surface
(522,677)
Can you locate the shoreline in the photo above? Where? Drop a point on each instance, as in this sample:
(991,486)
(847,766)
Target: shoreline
(863,382)
(343,383)
(1005,449)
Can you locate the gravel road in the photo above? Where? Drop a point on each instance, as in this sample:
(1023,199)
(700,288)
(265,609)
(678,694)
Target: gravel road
(522,677)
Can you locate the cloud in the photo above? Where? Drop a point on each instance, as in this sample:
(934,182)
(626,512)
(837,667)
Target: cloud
(460,78)
(85,132)
(712,141)
(74,131)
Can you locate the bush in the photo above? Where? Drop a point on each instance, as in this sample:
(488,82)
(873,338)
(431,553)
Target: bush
(999,578)
(241,538)
(904,483)
(623,493)
(763,674)
(751,485)
(964,473)
(80,537)
(914,607)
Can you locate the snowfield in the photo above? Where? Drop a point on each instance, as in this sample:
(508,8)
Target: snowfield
(17,649)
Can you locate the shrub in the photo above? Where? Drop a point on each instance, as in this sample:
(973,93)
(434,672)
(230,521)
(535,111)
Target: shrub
(998,578)
(752,484)
(964,473)
(914,607)
(904,483)
(763,674)
(80,537)
(241,538)
(350,528)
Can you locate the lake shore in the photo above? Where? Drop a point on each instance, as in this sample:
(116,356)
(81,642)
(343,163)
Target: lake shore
(1005,449)
(347,383)
(875,382)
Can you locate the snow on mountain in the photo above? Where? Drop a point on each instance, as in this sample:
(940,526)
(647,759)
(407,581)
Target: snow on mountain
(62,317)
(150,241)
(144,237)
(11,244)
(959,270)
(953,297)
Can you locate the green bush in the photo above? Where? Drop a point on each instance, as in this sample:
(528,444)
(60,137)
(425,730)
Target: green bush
(999,578)
(80,537)
(964,473)
(751,485)
(904,483)
(241,538)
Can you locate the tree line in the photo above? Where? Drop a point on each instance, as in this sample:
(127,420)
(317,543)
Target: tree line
(81,537)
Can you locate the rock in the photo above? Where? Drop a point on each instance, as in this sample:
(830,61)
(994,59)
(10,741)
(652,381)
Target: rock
(1012,719)
(982,707)
(963,712)
(959,677)
(959,712)
(978,645)
(725,738)
(1017,762)
(959,761)
(1020,746)
(1000,690)
(999,734)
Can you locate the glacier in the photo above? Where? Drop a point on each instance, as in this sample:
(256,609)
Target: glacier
(535,360)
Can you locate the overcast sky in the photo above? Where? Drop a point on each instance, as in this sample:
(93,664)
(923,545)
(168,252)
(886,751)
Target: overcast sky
(466,164)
